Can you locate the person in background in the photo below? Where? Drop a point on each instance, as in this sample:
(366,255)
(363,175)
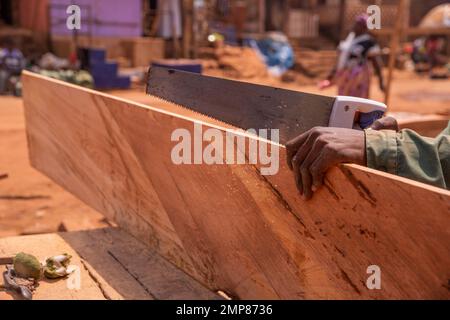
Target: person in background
(382,147)
(168,25)
(352,73)
(12,62)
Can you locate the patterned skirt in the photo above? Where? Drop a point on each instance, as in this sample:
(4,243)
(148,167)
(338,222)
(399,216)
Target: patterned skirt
(354,81)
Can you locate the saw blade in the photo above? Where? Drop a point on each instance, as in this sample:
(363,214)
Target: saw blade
(241,104)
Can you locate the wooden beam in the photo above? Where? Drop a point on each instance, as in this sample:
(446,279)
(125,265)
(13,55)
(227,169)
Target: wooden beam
(188,19)
(425,125)
(395,43)
(342,11)
(232,229)
(261,16)
(414,31)
(6,260)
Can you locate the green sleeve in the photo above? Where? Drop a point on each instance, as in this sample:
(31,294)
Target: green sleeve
(409,155)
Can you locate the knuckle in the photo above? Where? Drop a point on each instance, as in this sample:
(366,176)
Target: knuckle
(314,167)
(322,140)
(316,130)
(329,148)
(304,170)
(289,146)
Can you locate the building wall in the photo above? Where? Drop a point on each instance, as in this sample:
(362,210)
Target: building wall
(101,18)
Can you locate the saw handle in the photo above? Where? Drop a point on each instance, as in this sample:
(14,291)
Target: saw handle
(346,108)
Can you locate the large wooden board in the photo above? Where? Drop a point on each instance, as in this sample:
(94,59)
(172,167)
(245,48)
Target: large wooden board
(228,226)
(426,125)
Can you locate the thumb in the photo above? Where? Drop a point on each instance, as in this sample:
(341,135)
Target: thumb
(386,123)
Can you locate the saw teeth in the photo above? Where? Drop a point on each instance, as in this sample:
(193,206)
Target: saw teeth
(194,111)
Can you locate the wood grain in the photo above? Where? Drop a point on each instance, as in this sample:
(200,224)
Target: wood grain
(228,226)
(428,126)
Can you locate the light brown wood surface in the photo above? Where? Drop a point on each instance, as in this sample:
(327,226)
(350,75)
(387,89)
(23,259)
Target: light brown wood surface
(113,266)
(429,126)
(229,227)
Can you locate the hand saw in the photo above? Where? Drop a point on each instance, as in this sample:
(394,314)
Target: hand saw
(250,106)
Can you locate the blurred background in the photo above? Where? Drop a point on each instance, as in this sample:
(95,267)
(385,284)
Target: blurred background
(135,33)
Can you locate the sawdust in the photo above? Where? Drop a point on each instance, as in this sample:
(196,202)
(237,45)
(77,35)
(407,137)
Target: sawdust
(246,64)
(235,62)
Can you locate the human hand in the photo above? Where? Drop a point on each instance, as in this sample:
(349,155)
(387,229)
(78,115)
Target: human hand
(385,123)
(324,84)
(312,153)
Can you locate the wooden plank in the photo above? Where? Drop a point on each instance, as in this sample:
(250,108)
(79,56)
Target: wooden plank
(43,246)
(414,31)
(6,260)
(394,45)
(134,270)
(142,51)
(425,125)
(113,265)
(226,225)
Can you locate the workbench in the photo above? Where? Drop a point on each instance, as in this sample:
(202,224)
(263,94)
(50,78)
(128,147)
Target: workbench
(113,266)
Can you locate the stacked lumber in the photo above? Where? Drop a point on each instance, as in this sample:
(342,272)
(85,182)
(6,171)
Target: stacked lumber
(317,64)
(240,63)
(228,226)
(137,51)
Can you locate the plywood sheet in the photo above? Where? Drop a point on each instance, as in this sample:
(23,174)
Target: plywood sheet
(228,226)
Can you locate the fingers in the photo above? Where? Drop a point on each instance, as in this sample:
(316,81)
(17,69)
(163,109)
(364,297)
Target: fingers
(297,175)
(305,156)
(306,170)
(386,123)
(320,166)
(306,183)
(292,148)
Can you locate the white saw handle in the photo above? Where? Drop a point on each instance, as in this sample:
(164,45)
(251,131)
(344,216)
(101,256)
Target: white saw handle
(345,108)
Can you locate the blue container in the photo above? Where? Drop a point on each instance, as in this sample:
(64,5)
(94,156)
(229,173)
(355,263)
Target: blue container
(122,82)
(96,56)
(105,69)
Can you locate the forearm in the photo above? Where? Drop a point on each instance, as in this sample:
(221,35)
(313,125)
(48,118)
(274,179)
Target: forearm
(410,155)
